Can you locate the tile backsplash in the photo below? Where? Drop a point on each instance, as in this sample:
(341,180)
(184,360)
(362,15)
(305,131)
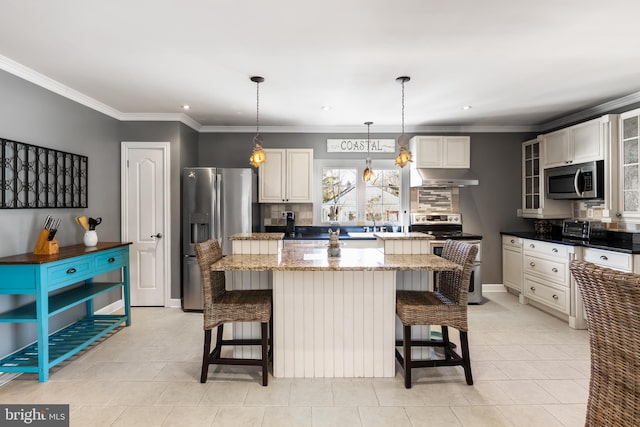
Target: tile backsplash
(273,213)
(435,200)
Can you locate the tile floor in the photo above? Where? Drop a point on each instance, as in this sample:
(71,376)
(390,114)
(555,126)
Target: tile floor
(530,369)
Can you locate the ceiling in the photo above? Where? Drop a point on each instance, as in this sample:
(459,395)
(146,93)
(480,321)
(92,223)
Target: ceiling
(518,64)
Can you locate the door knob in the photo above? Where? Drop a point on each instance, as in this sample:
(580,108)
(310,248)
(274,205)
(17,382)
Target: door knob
(159,236)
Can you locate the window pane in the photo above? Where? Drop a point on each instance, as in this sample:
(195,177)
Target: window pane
(338,194)
(383,196)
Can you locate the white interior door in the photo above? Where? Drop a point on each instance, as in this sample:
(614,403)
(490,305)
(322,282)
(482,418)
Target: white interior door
(145,220)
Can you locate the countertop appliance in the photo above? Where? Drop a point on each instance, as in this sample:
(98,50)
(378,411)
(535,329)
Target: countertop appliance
(579,181)
(291,223)
(584,230)
(216,203)
(449,226)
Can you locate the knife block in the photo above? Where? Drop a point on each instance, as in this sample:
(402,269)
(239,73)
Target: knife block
(44,246)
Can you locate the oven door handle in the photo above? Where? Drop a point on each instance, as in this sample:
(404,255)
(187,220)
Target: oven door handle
(576,183)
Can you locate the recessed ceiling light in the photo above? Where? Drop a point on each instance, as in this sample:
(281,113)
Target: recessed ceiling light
(466,107)
(325,107)
(185,107)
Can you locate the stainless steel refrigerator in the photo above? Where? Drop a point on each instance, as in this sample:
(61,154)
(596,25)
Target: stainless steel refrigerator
(216,203)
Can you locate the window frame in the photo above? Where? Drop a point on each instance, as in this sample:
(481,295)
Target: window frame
(359,165)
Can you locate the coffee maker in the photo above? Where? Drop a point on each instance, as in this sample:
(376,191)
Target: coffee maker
(291,223)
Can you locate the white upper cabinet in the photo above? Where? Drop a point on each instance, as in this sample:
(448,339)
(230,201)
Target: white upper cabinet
(286,176)
(441,151)
(576,144)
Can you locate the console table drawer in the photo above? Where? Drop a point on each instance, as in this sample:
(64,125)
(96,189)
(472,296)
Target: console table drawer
(70,272)
(111,260)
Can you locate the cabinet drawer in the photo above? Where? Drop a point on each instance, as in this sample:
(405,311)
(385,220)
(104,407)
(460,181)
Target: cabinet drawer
(545,248)
(70,272)
(609,259)
(549,269)
(110,260)
(555,298)
(512,241)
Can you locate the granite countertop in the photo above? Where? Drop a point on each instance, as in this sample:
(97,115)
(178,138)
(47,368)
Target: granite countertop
(310,259)
(623,246)
(412,235)
(257,236)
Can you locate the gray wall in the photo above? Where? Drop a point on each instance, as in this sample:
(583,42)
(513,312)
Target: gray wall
(36,116)
(486,209)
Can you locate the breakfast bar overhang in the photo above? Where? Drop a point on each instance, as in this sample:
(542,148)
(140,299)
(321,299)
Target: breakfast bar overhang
(333,317)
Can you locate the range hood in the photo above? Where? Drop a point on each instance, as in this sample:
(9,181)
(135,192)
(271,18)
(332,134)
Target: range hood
(436,177)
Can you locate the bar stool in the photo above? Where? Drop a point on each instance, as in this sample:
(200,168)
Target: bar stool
(445,306)
(612,302)
(222,306)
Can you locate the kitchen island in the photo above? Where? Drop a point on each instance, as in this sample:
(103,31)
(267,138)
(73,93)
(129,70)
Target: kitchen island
(333,317)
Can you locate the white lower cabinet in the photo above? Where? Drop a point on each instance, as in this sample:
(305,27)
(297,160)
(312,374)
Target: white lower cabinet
(554,296)
(512,263)
(547,281)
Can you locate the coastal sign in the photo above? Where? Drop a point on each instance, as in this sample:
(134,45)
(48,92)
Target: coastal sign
(360,145)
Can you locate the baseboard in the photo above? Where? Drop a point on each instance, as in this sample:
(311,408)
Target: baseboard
(113,307)
(174,303)
(488,287)
(5,377)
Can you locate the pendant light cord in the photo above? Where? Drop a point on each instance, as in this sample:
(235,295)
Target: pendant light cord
(258,108)
(403,107)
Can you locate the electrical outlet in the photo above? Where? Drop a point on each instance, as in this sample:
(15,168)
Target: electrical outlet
(590,213)
(519,212)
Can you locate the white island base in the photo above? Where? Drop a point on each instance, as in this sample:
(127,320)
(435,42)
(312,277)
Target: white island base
(334,324)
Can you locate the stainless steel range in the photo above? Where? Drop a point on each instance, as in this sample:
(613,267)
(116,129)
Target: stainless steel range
(449,226)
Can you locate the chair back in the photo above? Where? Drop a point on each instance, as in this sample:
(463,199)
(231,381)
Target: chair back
(213,283)
(612,302)
(455,284)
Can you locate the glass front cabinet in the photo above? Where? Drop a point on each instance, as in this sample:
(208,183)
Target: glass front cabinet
(534,203)
(629,164)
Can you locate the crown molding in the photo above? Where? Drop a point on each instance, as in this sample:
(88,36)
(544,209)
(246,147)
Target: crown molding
(30,75)
(600,109)
(378,129)
(26,73)
(161,117)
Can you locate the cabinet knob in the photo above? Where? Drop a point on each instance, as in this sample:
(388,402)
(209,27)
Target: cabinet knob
(533,288)
(603,257)
(513,241)
(555,270)
(532,245)
(554,250)
(532,264)
(112,259)
(71,271)
(555,297)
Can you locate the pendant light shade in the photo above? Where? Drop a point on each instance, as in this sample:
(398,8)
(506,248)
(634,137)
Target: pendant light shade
(404,156)
(258,156)
(368,174)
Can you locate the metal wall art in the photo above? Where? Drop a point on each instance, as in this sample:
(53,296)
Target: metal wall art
(38,177)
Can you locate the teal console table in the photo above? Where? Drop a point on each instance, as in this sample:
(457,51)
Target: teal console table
(41,275)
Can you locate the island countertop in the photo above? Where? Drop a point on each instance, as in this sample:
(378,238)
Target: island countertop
(257,236)
(316,259)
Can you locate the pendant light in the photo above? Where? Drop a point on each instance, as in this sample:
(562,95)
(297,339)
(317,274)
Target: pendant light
(368,174)
(258,156)
(404,156)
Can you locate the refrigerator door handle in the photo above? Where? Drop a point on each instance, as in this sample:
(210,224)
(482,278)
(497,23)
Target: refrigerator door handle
(219,210)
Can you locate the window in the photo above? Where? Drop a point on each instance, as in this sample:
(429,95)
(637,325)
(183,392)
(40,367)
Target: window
(347,199)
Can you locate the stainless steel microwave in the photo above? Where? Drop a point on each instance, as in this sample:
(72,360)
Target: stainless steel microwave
(578,181)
